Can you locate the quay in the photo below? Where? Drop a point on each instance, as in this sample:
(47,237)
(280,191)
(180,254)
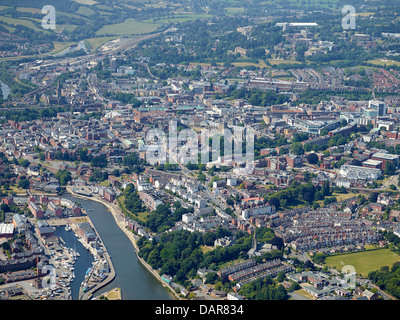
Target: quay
(92,286)
(120,221)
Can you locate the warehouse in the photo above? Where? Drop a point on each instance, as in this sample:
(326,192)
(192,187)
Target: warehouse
(88,232)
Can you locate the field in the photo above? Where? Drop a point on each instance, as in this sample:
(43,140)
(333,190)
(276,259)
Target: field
(381,63)
(87,2)
(314,4)
(344,196)
(275,62)
(23,22)
(260,64)
(363,262)
(129,26)
(205,249)
(61,46)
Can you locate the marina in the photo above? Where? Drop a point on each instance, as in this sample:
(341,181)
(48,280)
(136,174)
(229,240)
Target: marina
(134,280)
(89,255)
(73,262)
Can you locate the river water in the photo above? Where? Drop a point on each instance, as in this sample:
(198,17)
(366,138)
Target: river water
(134,280)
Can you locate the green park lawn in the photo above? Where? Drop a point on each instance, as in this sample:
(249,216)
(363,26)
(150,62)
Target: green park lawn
(363,262)
(129,26)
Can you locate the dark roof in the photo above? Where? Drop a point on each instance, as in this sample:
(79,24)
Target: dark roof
(46,230)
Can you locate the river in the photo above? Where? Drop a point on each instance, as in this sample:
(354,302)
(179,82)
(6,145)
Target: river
(134,280)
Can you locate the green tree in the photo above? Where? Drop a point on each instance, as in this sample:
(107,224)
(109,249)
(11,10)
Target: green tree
(297,148)
(23,183)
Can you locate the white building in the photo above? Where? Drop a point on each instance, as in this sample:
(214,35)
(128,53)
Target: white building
(359,173)
(256,211)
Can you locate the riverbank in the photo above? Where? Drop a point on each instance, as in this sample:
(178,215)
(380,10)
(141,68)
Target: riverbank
(120,221)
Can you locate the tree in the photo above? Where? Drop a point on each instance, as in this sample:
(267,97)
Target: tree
(23,184)
(281,276)
(312,158)
(390,168)
(212,277)
(100,161)
(297,148)
(23,162)
(273,201)
(277,241)
(63,176)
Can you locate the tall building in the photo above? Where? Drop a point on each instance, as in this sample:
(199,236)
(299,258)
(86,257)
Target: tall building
(379,106)
(113,64)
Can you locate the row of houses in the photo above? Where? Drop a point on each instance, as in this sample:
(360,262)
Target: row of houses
(53,208)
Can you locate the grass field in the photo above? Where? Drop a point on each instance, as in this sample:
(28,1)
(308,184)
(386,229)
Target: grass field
(344,196)
(363,262)
(22,22)
(88,2)
(129,26)
(380,62)
(85,11)
(275,62)
(205,249)
(61,46)
(179,17)
(260,64)
(327,4)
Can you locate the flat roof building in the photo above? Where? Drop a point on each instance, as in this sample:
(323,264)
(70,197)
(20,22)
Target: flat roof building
(359,173)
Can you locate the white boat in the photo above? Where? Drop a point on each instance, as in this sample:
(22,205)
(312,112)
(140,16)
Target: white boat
(68,228)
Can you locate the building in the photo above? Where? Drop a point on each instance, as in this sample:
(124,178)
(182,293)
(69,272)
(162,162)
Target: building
(20,223)
(76,211)
(234,296)
(379,106)
(372,164)
(46,231)
(88,231)
(109,195)
(55,209)
(359,173)
(385,158)
(36,211)
(9,200)
(257,211)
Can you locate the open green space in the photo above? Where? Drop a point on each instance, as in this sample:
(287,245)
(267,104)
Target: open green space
(87,2)
(23,22)
(363,262)
(381,63)
(140,215)
(129,26)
